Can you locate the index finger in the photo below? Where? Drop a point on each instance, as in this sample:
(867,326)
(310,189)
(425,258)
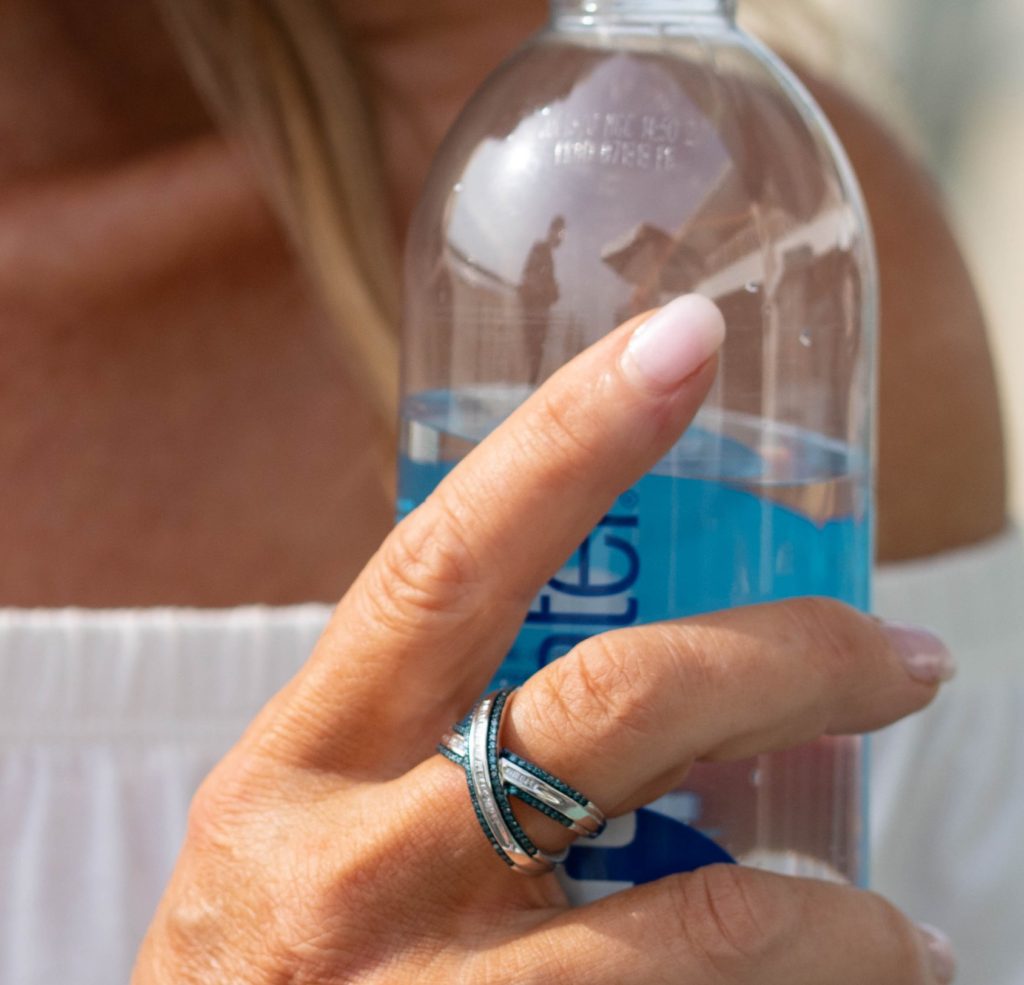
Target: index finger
(429,619)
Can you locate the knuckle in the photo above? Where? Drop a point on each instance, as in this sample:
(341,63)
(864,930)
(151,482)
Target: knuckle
(561,428)
(235,804)
(892,930)
(730,920)
(556,712)
(208,814)
(601,687)
(424,569)
(831,627)
(695,660)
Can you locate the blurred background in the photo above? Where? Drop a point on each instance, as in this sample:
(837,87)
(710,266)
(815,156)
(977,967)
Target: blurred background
(949,76)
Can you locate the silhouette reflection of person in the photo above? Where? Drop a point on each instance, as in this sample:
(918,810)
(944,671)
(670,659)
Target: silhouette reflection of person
(538,292)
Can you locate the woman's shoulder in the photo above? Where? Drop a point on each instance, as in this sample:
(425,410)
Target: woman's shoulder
(942,474)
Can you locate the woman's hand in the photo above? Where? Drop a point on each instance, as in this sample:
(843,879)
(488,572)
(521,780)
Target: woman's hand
(333,845)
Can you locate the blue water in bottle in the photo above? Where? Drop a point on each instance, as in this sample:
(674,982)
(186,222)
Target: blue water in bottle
(786,515)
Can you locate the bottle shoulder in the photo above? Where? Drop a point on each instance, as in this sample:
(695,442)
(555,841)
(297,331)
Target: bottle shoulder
(673,116)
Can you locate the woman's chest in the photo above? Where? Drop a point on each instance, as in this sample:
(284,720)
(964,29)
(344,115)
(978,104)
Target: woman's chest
(200,443)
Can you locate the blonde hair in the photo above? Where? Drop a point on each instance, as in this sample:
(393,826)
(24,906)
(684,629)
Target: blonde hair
(280,75)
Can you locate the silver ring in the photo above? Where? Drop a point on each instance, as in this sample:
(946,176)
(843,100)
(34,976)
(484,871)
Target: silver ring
(494,774)
(521,859)
(582,819)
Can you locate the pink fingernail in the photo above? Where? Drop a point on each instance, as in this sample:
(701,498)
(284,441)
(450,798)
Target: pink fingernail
(940,952)
(925,656)
(674,342)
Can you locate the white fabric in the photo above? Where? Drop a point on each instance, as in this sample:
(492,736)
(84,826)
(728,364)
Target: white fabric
(108,722)
(947,786)
(109,719)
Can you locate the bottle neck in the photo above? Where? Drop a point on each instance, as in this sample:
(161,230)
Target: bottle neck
(599,13)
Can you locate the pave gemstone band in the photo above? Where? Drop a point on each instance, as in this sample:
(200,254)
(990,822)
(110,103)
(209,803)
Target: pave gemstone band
(494,775)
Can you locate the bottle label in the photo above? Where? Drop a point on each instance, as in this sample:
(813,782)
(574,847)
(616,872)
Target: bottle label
(599,590)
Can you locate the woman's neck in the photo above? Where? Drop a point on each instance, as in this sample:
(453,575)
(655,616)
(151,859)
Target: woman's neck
(114,86)
(421,62)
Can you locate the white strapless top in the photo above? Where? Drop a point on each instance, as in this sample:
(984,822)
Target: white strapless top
(110,718)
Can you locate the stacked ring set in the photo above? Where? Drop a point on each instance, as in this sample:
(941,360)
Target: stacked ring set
(495,774)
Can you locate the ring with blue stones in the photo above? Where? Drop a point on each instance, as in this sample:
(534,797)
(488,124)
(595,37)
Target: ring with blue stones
(494,774)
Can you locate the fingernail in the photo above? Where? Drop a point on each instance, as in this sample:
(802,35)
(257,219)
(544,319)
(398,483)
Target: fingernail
(940,952)
(674,342)
(924,655)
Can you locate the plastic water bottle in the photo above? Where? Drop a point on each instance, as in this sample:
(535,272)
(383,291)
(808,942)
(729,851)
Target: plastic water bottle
(633,151)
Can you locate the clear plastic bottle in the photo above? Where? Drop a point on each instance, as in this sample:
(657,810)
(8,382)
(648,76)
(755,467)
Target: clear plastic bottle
(633,151)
